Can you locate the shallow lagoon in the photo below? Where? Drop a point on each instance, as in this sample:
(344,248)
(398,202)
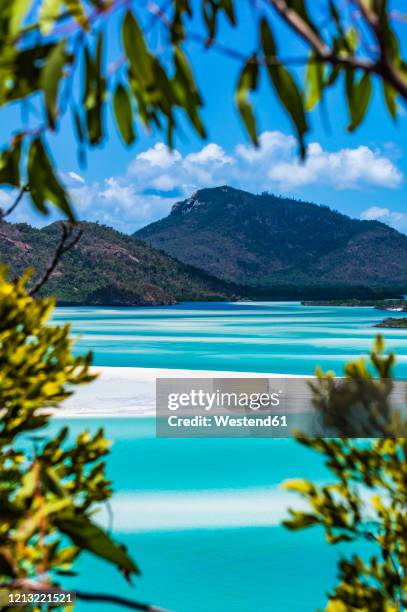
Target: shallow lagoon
(202,517)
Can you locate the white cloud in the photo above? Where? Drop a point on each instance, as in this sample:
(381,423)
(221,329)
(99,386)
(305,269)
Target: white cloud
(76,177)
(113,191)
(374,212)
(6,199)
(344,169)
(159,156)
(274,165)
(211,154)
(118,203)
(158,177)
(393,218)
(271,145)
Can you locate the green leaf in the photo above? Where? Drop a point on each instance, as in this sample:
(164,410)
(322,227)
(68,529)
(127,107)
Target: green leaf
(18,12)
(77,11)
(247,83)
(49,12)
(284,85)
(187,91)
(314,79)
(123,113)
(358,96)
(351,39)
(10,165)
(80,135)
(390,98)
(300,520)
(136,49)
(87,535)
(267,41)
(43,183)
(28,485)
(94,92)
(78,126)
(32,522)
(51,75)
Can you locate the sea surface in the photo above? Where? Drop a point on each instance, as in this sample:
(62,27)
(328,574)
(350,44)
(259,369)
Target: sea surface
(280,337)
(203,517)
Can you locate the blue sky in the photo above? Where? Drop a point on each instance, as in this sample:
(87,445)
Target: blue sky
(361,174)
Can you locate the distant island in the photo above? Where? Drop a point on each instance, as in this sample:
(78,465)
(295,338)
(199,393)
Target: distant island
(393,322)
(220,244)
(389,305)
(399,305)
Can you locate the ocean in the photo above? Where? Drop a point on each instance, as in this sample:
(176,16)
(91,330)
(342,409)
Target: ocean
(203,517)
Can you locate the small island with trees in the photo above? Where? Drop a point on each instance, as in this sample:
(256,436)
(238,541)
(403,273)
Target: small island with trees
(389,305)
(394,322)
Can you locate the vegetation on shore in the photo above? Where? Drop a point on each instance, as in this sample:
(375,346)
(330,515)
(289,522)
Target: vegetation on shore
(108,268)
(393,322)
(382,304)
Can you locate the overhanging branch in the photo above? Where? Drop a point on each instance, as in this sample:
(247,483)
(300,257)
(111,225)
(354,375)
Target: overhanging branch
(8,211)
(120,601)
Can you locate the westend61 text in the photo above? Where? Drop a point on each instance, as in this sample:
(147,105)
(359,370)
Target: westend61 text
(227,421)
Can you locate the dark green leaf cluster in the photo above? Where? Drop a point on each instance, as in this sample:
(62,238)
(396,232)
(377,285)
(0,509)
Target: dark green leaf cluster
(368,497)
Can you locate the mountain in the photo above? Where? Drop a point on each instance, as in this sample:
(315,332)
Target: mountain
(266,241)
(106,268)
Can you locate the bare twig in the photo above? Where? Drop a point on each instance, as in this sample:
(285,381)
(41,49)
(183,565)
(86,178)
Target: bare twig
(120,601)
(64,245)
(6,213)
(301,27)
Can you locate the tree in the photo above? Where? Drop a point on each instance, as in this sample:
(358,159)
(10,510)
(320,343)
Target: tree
(368,498)
(50,487)
(46,46)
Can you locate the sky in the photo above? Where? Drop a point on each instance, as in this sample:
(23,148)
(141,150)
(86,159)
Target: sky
(362,174)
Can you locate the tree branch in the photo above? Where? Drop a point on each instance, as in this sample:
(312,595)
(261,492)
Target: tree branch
(16,202)
(382,66)
(63,246)
(302,28)
(120,601)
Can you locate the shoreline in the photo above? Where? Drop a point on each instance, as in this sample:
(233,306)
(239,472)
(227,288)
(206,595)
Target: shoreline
(128,392)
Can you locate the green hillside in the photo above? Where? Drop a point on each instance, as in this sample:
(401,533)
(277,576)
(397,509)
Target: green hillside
(106,268)
(267,241)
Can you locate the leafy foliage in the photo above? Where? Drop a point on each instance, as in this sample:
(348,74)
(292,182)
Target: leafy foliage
(368,498)
(50,487)
(46,47)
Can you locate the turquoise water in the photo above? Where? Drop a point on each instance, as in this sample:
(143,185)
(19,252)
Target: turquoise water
(211,568)
(202,517)
(264,337)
